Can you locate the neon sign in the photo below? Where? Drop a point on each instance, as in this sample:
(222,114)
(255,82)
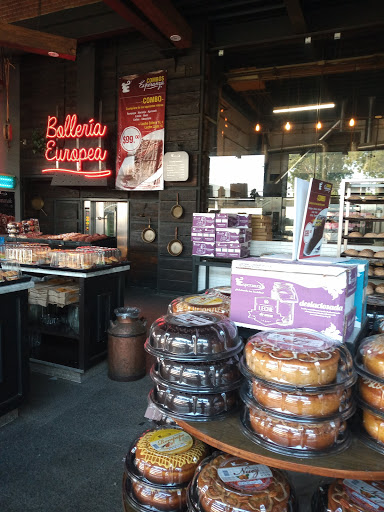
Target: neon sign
(71,129)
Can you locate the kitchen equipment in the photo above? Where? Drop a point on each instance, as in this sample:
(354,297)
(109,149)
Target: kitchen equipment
(177,210)
(37,203)
(175,246)
(148,234)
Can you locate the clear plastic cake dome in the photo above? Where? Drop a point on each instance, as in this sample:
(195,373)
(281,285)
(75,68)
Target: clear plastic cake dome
(194,336)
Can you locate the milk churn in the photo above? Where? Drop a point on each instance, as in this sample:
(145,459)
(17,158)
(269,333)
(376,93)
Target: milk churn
(126,337)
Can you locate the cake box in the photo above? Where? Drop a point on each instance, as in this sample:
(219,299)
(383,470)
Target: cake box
(203,234)
(204,220)
(227,220)
(269,294)
(232,250)
(240,235)
(203,249)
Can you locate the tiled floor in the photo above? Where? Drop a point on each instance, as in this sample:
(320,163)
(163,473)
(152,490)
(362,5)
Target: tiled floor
(65,451)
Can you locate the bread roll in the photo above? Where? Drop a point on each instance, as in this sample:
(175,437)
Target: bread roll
(367,253)
(355,234)
(371,288)
(354,198)
(370,235)
(370,272)
(379,271)
(380,235)
(351,252)
(379,254)
(371,198)
(379,289)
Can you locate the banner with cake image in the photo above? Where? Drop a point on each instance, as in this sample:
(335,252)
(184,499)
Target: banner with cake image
(141,116)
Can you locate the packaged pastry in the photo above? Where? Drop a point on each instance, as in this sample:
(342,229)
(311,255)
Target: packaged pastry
(349,495)
(372,392)
(369,358)
(194,336)
(165,455)
(143,496)
(223,292)
(373,423)
(314,405)
(294,436)
(209,303)
(192,406)
(223,375)
(225,483)
(298,357)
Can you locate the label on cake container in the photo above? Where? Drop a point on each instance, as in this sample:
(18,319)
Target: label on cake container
(204,300)
(248,478)
(368,495)
(171,441)
(226,290)
(298,342)
(191,320)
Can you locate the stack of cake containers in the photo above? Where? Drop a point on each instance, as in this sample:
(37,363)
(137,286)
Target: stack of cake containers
(196,374)
(369,363)
(298,392)
(158,468)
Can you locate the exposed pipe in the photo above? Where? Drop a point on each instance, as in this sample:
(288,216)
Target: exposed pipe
(364,147)
(368,131)
(342,114)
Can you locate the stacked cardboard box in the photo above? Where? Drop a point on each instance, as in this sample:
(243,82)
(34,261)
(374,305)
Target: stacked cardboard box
(61,292)
(221,235)
(261,227)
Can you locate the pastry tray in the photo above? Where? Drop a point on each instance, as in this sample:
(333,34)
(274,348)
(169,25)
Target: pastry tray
(23,279)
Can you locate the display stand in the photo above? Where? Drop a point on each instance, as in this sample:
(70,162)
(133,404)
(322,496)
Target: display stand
(69,354)
(204,261)
(357,462)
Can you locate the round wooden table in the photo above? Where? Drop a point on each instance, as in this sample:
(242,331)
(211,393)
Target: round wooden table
(357,462)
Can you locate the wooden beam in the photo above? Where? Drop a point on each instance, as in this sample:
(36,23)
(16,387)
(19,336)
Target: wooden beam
(323,67)
(33,41)
(168,20)
(296,16)
(140,25)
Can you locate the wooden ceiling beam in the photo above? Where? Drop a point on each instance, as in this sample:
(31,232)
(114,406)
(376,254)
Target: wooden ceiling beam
(168,20)
(140,25)
(33,41)
(308,69)
(296,16)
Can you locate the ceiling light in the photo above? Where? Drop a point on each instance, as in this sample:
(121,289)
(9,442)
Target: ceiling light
(300,108)
(319,125)
(351,122)
(175,37)
(287,126)
(257,128)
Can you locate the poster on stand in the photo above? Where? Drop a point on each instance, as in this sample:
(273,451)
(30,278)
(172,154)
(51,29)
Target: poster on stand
(315,215)
(140,147)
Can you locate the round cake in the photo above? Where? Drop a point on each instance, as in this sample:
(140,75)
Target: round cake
(211,303)
(367,253)
(168,456)
(231,484)
(374,425)
(355,234)
(299,404)
(161,498)
(300,358)
(373,354)
(316,436)
(372,392)
(355,496)
(351,252)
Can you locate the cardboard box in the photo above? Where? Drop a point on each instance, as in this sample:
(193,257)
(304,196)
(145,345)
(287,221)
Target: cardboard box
(204,220)
(203,234)
(203,249)
(227,220)
(232,250)
(269,294)
(244,220)
(239,235)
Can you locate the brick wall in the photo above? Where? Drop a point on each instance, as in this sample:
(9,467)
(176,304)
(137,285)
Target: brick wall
(12,11)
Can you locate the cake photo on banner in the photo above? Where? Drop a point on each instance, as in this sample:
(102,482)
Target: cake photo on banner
(140,148)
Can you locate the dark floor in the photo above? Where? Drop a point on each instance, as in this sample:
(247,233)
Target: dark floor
(65,451)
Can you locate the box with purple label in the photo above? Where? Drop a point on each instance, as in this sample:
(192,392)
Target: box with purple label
(204,220)
(232,250)
(203,249)
(239,235)
(244,220)
(269,294)
(227,220)
(203,234)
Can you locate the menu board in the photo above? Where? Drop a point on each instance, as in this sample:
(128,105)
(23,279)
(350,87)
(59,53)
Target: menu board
(176,166)
(140,148)
(314,218)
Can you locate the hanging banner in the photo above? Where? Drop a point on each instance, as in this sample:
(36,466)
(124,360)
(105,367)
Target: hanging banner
(140,148)
(314,218)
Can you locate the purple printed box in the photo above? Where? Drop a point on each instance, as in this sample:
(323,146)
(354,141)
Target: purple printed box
(233,245)
(239,235)
(244,220)
(232,250)
(203,234)
(227,220)
(204,220)
(203,249)
(270,294)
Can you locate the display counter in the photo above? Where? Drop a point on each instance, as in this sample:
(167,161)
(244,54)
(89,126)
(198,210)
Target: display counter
(14,382)
(61,347)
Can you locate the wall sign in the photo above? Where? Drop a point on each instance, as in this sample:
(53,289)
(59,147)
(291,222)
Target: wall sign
(176,166)
(140,147)
(83,159)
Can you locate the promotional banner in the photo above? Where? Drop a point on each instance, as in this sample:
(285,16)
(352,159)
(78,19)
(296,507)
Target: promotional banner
(315,216)
(140,148)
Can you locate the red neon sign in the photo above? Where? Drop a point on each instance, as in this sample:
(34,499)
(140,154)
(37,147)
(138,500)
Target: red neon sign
(71,129)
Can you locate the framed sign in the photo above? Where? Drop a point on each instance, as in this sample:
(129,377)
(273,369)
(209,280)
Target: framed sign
(176,166)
